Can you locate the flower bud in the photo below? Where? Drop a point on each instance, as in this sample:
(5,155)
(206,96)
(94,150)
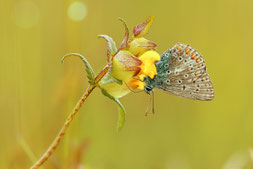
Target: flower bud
(138,46)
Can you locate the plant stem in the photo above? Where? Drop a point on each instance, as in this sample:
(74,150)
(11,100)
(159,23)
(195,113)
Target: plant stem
(60,135)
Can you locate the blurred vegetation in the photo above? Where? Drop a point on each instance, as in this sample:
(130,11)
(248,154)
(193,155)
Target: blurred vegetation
(37,92)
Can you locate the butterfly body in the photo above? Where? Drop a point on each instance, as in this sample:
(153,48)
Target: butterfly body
(181,71)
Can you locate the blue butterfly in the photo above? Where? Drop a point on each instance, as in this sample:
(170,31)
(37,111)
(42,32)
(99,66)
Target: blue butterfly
(182,72)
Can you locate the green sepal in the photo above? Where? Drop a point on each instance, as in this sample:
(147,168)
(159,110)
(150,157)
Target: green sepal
(111,46)
(122,111)
(88,68)
(125,40)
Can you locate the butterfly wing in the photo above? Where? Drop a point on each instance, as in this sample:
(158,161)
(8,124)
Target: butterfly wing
(183,73)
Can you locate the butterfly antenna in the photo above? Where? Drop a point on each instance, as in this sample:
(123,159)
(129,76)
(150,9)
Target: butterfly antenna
(150,101)
(153,101)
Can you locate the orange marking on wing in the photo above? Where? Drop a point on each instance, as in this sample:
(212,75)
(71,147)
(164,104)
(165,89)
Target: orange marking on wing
(194,56)
(187,51)
(197,60)
(178,47)
(196,73)
(200,65)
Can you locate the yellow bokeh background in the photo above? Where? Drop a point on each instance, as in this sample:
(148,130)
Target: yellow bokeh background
(37,92)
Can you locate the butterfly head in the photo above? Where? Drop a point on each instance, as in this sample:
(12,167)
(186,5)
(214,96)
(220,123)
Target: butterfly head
(148,84)
(147,89)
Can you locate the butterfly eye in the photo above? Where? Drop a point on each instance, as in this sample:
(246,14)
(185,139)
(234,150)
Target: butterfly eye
(180,58)
(168,71)
(148,89)
(179,81)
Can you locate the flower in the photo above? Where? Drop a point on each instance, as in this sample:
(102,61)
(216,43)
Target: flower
(131,62)
(125,71)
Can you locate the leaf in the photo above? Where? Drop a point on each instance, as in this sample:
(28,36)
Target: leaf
(143,28)
(88,68)
(122,111)
(125,40)
(111,46)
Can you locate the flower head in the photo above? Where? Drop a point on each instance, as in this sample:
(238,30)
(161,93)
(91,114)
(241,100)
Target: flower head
(131,62)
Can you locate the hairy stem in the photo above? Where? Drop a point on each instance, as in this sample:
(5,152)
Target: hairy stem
(60,135)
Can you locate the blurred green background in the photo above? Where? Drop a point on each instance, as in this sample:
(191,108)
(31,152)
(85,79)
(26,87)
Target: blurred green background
(37,92)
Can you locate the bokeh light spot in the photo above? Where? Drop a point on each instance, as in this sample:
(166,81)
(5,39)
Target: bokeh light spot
(77,11)
(26,14)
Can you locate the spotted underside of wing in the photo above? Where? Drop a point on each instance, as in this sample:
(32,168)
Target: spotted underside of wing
(182,72)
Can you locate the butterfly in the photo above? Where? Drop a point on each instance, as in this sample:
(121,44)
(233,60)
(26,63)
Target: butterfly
(181,71)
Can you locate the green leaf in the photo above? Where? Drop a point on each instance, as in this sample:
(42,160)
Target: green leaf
(88,68)
(122,111)
(111,46)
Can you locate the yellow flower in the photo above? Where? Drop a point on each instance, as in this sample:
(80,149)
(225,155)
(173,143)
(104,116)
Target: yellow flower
(126,68)
(134,60)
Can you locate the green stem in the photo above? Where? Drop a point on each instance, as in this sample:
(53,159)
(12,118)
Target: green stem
(62,132)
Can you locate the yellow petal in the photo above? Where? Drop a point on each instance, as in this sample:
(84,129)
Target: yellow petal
(148,64)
